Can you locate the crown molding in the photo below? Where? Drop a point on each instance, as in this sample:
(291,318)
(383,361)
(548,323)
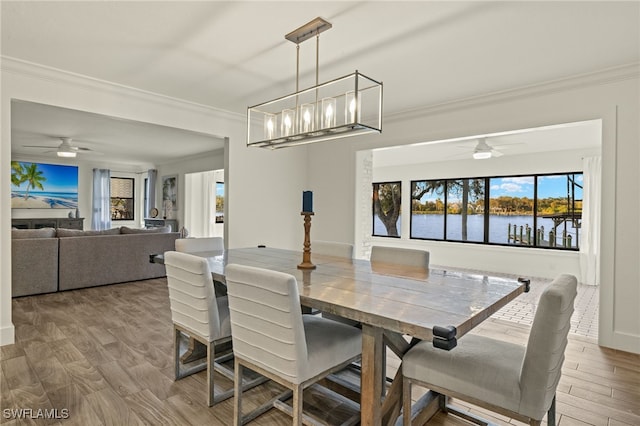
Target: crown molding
(54,75)
(601,77)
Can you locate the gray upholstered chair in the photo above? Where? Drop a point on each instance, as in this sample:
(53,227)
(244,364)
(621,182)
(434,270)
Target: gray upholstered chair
(199,245)
(199,314)
(273,338)
(332,248)
(400,256)
(504,377)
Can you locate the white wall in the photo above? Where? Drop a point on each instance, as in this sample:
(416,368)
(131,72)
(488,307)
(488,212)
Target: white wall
(520,261)
(611,96)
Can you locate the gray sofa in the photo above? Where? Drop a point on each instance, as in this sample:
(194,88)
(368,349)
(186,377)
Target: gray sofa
(34,261)
(72,259)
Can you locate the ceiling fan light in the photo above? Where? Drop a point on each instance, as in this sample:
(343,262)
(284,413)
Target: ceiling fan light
(481,155)
(66,154)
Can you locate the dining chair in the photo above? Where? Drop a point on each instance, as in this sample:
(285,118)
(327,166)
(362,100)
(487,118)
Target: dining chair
(504,377)
(203,246)
(199,314)
(199,245)
(400,256)
(272,337)
(332,248)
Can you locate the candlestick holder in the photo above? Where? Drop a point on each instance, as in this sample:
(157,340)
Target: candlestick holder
(306,254)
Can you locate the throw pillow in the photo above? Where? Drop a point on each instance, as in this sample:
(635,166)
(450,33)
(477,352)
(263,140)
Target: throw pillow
(33,233)
(64,232)
(159,230)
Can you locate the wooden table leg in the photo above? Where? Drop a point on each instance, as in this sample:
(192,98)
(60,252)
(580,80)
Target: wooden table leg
(371,382)
(196,350)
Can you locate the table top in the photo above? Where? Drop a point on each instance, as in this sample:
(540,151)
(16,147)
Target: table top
(397,298)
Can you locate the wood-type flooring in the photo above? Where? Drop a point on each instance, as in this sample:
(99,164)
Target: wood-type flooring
(103,356)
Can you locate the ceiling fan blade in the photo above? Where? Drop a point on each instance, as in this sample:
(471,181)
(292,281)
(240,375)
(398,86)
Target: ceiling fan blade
(496,153)
(39,146)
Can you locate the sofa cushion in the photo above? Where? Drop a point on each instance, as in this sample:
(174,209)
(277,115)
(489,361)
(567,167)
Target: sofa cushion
(159,230)
(18,234)
(64,232)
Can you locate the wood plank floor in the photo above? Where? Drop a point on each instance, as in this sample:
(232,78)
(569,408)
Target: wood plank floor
(105,355)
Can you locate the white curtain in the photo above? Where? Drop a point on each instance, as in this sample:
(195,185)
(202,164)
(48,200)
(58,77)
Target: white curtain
(200,204)
(590,243)
(101,203)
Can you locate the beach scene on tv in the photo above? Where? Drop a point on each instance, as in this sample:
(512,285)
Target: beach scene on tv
(43,186)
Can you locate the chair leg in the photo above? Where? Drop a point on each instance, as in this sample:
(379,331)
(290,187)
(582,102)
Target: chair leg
(182,370)
(297,405)
(237,388)
(406,402)
(176,353)
(211,352)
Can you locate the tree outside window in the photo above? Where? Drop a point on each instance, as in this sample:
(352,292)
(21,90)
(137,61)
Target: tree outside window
(387,200)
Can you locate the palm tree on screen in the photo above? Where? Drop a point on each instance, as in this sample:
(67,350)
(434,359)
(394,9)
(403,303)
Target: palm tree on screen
(33,177)
(17,173)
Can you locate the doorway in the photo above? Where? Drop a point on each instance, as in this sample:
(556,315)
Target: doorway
(204,203)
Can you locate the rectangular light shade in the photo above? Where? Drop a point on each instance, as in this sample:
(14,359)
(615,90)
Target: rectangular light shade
(346,106)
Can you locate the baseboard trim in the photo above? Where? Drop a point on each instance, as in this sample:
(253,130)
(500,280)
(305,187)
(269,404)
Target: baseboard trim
(7,335)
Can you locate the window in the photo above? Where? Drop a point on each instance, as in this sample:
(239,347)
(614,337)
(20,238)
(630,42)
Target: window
(145,203)
(219,213)
(533,211)
(122,200)
(465,210)
(387,199)
(511,210)
(427,209)
(559,210)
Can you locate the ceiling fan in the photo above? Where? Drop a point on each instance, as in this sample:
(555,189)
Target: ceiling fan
(483,150)
(65,149)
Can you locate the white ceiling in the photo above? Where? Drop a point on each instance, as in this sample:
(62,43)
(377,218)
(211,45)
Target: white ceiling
(233,54)
(108,139)
(581,137)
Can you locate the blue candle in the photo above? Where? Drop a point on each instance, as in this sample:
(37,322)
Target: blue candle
(307,201)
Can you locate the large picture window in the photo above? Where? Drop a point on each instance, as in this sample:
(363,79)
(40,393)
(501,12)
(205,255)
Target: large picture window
(532,211)
(122,198)
(387,199)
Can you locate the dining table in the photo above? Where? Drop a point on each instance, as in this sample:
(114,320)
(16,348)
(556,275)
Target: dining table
(392,303)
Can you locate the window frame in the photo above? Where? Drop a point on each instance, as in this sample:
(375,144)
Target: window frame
(373,209)
(132,200)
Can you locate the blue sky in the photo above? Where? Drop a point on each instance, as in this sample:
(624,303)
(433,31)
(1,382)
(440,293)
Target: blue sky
(59,178)
(548,187)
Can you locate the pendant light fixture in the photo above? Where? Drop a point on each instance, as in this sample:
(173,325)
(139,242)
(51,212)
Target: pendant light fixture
(346,106)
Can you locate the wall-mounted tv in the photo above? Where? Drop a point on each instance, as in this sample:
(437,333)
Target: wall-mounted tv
(43,186)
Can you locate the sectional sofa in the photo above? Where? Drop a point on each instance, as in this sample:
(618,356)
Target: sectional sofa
(48,260)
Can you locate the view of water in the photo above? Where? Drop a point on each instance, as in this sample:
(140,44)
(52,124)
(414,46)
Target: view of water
(432,226)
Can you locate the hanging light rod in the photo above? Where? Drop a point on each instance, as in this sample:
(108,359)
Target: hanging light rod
(342,107)
(308,30)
